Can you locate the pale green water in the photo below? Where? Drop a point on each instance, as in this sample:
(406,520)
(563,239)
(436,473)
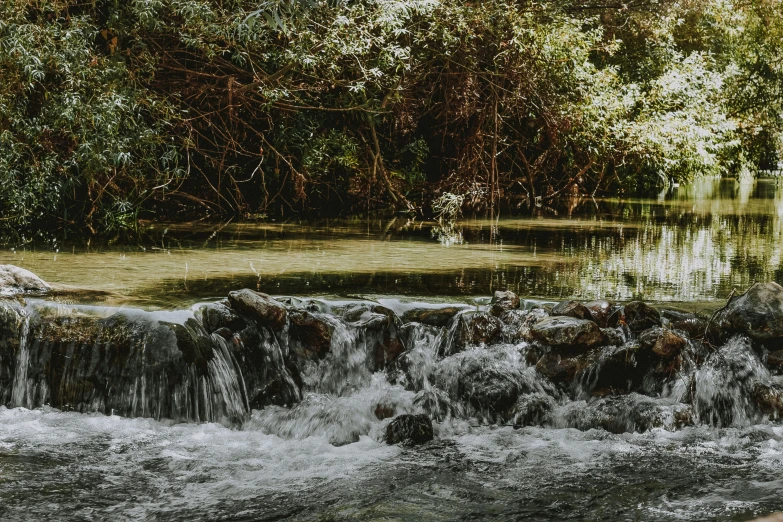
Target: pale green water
(694,245)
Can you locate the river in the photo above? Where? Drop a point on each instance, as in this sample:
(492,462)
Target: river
(324,459)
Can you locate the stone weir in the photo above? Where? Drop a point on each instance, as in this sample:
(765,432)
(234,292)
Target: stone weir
(620,367)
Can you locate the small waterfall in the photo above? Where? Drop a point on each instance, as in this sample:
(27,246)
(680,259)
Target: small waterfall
(228,394)
(20,395)
(722,388)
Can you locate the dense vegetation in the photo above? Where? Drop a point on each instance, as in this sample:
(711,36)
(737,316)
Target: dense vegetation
(113,111)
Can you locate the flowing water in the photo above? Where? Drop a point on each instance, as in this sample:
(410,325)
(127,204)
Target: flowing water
(628,457)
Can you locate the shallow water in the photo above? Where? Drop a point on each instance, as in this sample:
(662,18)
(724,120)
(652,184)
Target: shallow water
(693,245)
(93,467)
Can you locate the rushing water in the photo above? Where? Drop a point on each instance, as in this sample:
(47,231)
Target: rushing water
(324,458)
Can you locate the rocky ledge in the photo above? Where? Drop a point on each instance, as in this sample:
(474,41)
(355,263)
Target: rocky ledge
(616,366)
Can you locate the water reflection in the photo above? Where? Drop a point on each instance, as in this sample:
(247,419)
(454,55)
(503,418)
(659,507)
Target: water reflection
(697,243)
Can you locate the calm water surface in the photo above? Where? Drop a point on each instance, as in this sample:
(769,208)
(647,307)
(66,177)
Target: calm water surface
(695,244)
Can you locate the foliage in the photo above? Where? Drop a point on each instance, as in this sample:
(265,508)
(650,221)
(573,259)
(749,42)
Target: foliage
(114,111)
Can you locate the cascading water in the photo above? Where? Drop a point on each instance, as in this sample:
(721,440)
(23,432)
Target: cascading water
(307,400)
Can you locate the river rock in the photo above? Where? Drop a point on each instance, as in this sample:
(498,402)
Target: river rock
(602,313)
(471,329)
(769,399)
(663,342)
(572,309)
(517,324)
(559,368)
(532,409)
(18,281)
(215,316)
(312,336)
(503,301)
(758,313)
(692,324)
(775,361)
(568,332)
(409,429)
(640,316)
(260,307)
(433,316)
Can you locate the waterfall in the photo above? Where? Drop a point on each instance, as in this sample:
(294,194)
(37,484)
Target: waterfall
(20,395)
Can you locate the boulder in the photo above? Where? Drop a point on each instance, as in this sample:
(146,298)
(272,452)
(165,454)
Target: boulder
(562,369)
(312,336)
(758,313)
(532,409)
(568,332)
(18,281)
(519,322)
(769,399)
(409,429)
(471,329)
(775,361)
(601,311)
(692,324)
(663,342)
(503,301)
(572,309)
(488,389)
(432,316)
(640,316)
(215,316)
(259,306)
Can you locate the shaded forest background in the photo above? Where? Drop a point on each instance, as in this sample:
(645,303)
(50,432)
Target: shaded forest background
(112,112)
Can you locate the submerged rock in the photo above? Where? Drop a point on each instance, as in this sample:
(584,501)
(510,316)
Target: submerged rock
(259,306)
(568,332)
(758,313)
(640,316)
(503,301)
(409,429)
(18,281)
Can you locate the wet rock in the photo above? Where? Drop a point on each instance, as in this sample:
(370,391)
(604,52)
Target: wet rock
(663,342)
(640,316)
(758,313)
(775,361)
(568,332)
(601,312)
(18,281)
(488,389)
(692,324)
(517,324)
(572,309)
(562,369)
(614,336)
(626,414)
(769,399)
(215,316)
(409,429)
(259,306)
(471,329)
(503,301)
(533,409)
(435,403)
(433,316)
(384,411)
(312,336)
